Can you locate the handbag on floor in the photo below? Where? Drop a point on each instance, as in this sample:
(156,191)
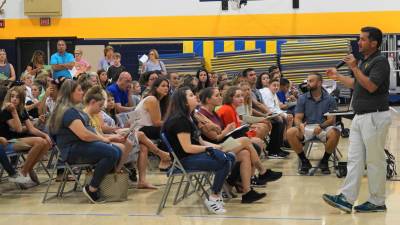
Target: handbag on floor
(114,186)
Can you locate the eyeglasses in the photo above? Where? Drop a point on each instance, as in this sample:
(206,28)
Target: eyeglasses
(77,53)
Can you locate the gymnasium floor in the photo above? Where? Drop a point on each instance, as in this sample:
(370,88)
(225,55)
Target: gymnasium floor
(292,200)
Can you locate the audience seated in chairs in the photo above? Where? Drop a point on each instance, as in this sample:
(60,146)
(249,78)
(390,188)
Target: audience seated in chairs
(192,151)
(78,141)
(108,125)
(270,99)
(259,109)
(94,101)
(213,130)
(15,124)
(152,110)
(13,175)
(311,123)
(227,113)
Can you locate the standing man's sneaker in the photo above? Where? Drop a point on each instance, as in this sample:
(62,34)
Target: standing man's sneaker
(324,167)
(94,197)
(367,207)
(338,201)
(305,167)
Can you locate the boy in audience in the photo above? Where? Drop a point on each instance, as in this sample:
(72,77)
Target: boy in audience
(286,103)
(311,123)
(116,69)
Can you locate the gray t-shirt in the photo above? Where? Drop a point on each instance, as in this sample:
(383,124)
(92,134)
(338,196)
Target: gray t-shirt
(150,66)
(377,68)
(314,110)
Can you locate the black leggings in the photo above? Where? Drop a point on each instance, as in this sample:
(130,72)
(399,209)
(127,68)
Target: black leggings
(278,127)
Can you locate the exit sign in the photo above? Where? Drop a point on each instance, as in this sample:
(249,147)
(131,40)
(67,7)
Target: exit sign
(45,21)
(2,23)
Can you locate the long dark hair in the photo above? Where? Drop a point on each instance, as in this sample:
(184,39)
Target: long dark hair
(259,84)
(202,85)
(163,100)
(178,106)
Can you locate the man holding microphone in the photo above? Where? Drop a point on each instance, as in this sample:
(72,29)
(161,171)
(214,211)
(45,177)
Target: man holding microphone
(369,127)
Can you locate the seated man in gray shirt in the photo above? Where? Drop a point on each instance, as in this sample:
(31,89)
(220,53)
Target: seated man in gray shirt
(310,123)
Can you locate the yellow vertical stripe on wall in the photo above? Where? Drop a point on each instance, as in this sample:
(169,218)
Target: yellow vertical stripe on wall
(249,45)
(271,46)
(187,46)
(229,46)
(208,53)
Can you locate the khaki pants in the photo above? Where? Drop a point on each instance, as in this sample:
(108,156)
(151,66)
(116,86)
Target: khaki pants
(367,141)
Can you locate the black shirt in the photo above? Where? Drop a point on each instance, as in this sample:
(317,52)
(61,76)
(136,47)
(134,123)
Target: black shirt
(5,130)
(113,72)
(176,125)
(376,68)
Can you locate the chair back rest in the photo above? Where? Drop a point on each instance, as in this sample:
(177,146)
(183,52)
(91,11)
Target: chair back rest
(176,165)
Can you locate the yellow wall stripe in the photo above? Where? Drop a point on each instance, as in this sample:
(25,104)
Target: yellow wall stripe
(229,46)
(271,46)
(187,46)
(204,26)
(208,53)
(249,45)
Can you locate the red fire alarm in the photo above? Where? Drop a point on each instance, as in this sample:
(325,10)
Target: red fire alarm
(45,21)
(2,23)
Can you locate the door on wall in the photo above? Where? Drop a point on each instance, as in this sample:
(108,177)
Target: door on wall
(26,47)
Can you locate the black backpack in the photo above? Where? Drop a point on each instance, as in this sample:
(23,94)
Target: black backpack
(391,165)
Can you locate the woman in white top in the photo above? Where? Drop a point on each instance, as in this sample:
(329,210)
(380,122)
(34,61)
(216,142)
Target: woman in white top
(153,63)
(151,110)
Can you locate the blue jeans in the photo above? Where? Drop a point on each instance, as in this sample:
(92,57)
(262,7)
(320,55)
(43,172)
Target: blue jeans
(105,156)
(205,162)
(4,161)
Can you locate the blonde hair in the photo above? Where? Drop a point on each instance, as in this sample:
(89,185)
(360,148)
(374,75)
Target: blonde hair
(94,93)
(156,55)
(20,90)
(108,48)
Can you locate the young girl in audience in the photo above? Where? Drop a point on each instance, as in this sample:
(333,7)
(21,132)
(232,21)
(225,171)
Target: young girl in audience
(94,101)
(78,141)
(263,127)
(204,80)
(136,97)
(103,78)
(262,80)
(210,98)
(32,105)
(109,126)
(15,124)
(193,152)
(232,99)
(152,110)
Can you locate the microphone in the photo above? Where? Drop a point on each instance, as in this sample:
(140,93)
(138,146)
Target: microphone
(340,64)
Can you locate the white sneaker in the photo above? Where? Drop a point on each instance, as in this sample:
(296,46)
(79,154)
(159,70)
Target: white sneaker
(214,206)
(20,179)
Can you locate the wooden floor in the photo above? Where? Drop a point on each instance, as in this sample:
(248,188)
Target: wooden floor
(292,200)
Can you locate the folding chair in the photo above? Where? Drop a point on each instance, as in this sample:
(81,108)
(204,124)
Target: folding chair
(197,180)
(20,156)
(68,169)
(307,148)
